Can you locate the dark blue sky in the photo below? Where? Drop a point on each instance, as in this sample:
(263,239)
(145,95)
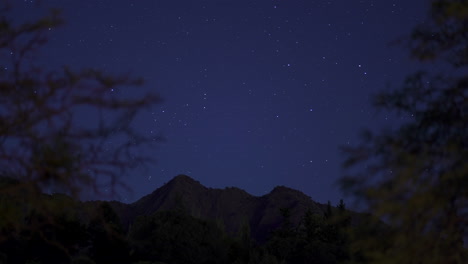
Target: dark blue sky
(256,93)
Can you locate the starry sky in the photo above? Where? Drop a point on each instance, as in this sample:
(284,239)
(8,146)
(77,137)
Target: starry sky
(257,93)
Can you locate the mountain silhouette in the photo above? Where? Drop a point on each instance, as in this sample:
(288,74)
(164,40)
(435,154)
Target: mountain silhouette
(183,221)
(232,207)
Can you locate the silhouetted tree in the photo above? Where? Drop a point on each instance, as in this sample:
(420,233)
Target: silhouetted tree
(56,126)
(341,206)
(172,237)
(108,240)
(283,241)
(241,246)
(415,177)
(329,211)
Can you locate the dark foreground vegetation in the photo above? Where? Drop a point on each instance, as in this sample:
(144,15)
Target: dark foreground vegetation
(413,177)
(91,232)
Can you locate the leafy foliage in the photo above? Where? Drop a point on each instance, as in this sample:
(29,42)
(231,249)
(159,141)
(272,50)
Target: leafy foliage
(56,127)
(45,147)
(415,177)
(43,138)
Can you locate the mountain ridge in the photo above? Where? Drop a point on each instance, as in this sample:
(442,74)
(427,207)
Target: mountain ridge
(231,206)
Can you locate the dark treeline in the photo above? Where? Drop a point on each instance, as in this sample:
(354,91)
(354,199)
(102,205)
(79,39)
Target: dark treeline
(92,232)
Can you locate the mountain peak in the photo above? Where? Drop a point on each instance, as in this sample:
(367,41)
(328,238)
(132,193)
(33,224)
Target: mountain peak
(184,180)
(231,205)
(183,184)
(284,190)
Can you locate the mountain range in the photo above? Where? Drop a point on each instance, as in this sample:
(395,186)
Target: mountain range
(231,207)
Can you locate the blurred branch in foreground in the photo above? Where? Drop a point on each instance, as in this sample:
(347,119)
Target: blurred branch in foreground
(415,177)
(67,131)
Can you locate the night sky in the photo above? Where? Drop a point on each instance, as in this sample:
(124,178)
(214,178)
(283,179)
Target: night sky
(257,93)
